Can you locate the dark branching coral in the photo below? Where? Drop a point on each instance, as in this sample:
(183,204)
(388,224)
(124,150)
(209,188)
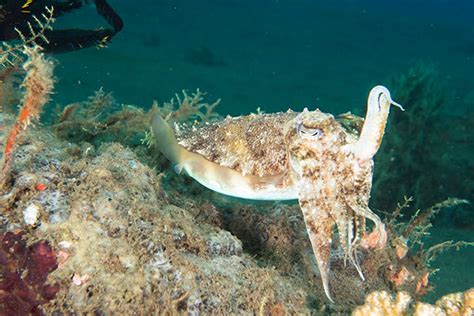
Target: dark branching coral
(425,152)
(405,162)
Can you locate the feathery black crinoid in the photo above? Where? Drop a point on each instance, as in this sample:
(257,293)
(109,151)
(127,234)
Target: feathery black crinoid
(22,19)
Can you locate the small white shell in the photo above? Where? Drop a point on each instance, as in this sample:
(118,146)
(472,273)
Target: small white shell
(31,214)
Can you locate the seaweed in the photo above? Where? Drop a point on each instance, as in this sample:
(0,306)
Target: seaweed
(38,84)
(408,240)
(12,55)
(22,19)
(425,152)
(187,108)
(100,119)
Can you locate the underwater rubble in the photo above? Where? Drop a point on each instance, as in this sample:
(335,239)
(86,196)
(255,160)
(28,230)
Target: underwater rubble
(92,220)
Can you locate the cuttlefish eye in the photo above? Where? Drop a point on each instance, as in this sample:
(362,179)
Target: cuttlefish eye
(308,132)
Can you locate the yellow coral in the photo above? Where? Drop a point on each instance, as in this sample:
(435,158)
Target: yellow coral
(458,304)
(384,304)
(425,309)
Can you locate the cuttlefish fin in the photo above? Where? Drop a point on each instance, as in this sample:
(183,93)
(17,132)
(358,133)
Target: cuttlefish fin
(178,168)
(320,226)
(166,142)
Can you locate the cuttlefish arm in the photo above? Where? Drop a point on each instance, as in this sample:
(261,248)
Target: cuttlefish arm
(370,139)
(323,210)
(378,106)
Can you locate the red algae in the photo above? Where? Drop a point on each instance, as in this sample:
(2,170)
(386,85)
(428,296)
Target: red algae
(23,275)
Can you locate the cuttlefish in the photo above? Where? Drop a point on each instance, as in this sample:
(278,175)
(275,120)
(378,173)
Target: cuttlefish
(308,156)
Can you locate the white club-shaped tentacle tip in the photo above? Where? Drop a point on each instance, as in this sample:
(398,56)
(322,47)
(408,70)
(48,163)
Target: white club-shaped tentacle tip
(379,92)
(378,106)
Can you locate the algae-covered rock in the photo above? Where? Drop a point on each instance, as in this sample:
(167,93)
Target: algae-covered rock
(122,247)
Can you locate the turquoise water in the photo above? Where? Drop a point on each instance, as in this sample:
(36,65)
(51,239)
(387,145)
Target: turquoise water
(274,54)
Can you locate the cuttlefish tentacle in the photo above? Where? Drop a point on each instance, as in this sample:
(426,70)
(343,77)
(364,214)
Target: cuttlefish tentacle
(378,106)
(344,229)
(352,249)
(359,230)
(379,229)
(347,227)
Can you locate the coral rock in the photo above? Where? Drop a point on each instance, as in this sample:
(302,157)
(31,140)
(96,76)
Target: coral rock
(382,303)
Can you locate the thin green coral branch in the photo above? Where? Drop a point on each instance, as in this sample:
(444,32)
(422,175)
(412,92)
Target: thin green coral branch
(185,107)
(421,217)
(435,250)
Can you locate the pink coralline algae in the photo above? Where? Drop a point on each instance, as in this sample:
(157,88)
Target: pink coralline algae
(23,275)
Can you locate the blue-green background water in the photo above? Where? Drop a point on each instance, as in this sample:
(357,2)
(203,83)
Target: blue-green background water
(277,54)
(281,54)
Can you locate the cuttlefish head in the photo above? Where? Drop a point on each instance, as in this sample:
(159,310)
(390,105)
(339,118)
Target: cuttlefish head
(314,143)
(334,173)
(313,135)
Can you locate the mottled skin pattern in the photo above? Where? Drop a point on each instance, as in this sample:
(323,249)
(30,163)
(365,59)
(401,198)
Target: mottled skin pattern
(334,187)
(243,143)
(307,156)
